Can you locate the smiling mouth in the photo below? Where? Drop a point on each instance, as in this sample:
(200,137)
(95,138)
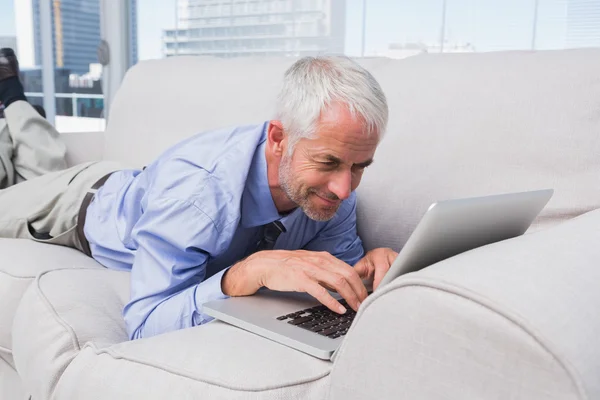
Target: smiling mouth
(328,201)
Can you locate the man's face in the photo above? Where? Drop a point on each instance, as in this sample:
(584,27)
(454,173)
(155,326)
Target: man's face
(324,170)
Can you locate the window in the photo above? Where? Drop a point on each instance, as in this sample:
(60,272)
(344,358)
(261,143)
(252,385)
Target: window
(162,28)
(393,28)
(75,33)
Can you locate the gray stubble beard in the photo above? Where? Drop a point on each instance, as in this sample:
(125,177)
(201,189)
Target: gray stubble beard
(285,181)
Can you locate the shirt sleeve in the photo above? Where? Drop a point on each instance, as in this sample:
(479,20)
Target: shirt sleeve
(174,240)
(339,236)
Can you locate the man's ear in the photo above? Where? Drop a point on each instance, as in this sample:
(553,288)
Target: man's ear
(276,138)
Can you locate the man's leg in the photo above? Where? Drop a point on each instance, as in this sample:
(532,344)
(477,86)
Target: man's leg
(46,208)
(37,147)
(7,171)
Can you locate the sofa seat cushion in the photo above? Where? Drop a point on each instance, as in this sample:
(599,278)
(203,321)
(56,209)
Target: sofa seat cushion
(10,383)
(71,341)
(21,261)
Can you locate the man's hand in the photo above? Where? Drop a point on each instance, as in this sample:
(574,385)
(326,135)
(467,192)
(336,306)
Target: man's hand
(296,271)
(375,264)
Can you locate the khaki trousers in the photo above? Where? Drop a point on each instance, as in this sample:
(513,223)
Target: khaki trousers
(44,205)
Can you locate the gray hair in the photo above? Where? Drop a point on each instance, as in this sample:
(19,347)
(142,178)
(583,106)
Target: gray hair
(311,84)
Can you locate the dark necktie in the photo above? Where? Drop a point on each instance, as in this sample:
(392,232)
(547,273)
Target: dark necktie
(271,232)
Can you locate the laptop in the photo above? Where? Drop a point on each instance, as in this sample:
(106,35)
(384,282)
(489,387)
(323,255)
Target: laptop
(448,228)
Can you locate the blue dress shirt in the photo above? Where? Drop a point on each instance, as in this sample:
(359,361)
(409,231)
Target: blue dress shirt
(195,211)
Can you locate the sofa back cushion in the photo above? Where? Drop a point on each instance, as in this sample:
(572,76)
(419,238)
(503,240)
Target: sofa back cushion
(460,125)
(162,102)
(480,124)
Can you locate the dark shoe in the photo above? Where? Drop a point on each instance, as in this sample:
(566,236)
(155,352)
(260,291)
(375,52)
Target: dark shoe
(9,65)
(40,110)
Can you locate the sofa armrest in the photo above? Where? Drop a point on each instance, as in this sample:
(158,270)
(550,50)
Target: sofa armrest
(517,319)
(69,323)
(83,146)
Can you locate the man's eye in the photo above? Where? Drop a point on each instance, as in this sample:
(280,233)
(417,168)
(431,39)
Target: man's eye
(329,164)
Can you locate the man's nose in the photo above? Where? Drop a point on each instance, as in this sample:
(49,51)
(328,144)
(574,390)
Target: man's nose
(341,184)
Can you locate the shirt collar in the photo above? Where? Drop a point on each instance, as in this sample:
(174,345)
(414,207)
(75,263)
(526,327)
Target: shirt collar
(258,207)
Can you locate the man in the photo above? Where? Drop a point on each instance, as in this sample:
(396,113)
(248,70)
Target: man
(222,213)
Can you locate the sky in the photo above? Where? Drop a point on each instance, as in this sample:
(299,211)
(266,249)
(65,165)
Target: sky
(7,18)
(486,24)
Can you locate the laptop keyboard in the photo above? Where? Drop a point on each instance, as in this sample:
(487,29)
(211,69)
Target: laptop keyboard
(322,320)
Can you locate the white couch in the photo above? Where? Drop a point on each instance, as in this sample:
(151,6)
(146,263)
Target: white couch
(518,319)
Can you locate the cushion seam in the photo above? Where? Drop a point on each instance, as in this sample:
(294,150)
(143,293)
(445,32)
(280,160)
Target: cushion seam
(67,327)
(173,371)
(484,302)
(6,350)
(33,276)
(17,276)
(2,360)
